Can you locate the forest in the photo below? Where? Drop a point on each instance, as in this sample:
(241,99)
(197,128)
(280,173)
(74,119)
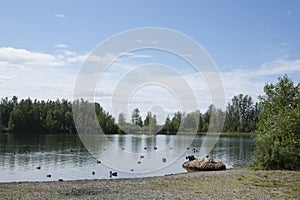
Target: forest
(38,116)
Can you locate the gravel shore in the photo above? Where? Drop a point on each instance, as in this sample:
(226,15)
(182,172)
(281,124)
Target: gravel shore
(229,184)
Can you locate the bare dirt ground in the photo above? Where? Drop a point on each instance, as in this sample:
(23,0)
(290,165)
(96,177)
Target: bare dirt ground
(229,184)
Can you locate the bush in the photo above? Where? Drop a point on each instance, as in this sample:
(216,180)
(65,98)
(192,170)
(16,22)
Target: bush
(278,133)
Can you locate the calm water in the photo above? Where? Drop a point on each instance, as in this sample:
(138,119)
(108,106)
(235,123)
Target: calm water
(65,157)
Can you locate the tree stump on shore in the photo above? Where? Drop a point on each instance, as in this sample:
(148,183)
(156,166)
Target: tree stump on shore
(204,165)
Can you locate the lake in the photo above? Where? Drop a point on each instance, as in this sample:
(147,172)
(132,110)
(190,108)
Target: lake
(65,157)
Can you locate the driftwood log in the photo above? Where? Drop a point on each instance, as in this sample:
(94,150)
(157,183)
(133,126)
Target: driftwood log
(204,165)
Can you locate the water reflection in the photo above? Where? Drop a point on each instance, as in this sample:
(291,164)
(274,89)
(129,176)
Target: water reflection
(64,156)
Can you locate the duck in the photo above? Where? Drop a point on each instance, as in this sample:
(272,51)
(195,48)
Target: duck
(98,162)
(48,175)
(93,173)
(113,173)
(195,150)
(60,180)
(190,157)
(38,167)
(164,160)
(155,148)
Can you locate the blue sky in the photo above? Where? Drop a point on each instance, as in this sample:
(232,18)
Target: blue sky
(43,43)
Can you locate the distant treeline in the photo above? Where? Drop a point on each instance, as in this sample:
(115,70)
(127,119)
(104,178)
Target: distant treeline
(34,116)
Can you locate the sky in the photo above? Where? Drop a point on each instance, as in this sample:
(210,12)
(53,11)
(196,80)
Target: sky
(43,44)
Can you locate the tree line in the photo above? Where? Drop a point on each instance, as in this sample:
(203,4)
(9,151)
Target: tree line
(50,116)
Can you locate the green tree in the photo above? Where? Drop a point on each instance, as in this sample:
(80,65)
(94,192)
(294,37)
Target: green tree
(148,119)
(69,123)
(241,114)
(278,133)
(190,122)
(153,125)
(16,121)
(150,124)
(175,122)
(206,117)
(200,124)
(166,127)
(121,119)
(135,117)
(140,121)
(6,107)
(121,124)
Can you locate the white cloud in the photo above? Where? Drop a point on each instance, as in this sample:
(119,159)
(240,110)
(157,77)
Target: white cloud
(34,74)
(136,55)
(76,59)
(240,81)
(69,53)
(4,78)
(41,75)
(61,46)
(278,66)
(252,81)
(21,57)
(91,58)
(59,15)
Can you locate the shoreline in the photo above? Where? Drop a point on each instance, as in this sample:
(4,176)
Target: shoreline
(228,184)
(237,134)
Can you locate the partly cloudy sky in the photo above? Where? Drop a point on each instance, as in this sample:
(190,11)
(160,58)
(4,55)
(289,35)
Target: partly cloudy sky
(44,44)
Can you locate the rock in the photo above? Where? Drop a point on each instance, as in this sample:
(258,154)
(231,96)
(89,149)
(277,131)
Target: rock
(204,165)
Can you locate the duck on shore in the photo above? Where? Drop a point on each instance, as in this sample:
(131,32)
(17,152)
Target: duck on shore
(113,173)
(190,157)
